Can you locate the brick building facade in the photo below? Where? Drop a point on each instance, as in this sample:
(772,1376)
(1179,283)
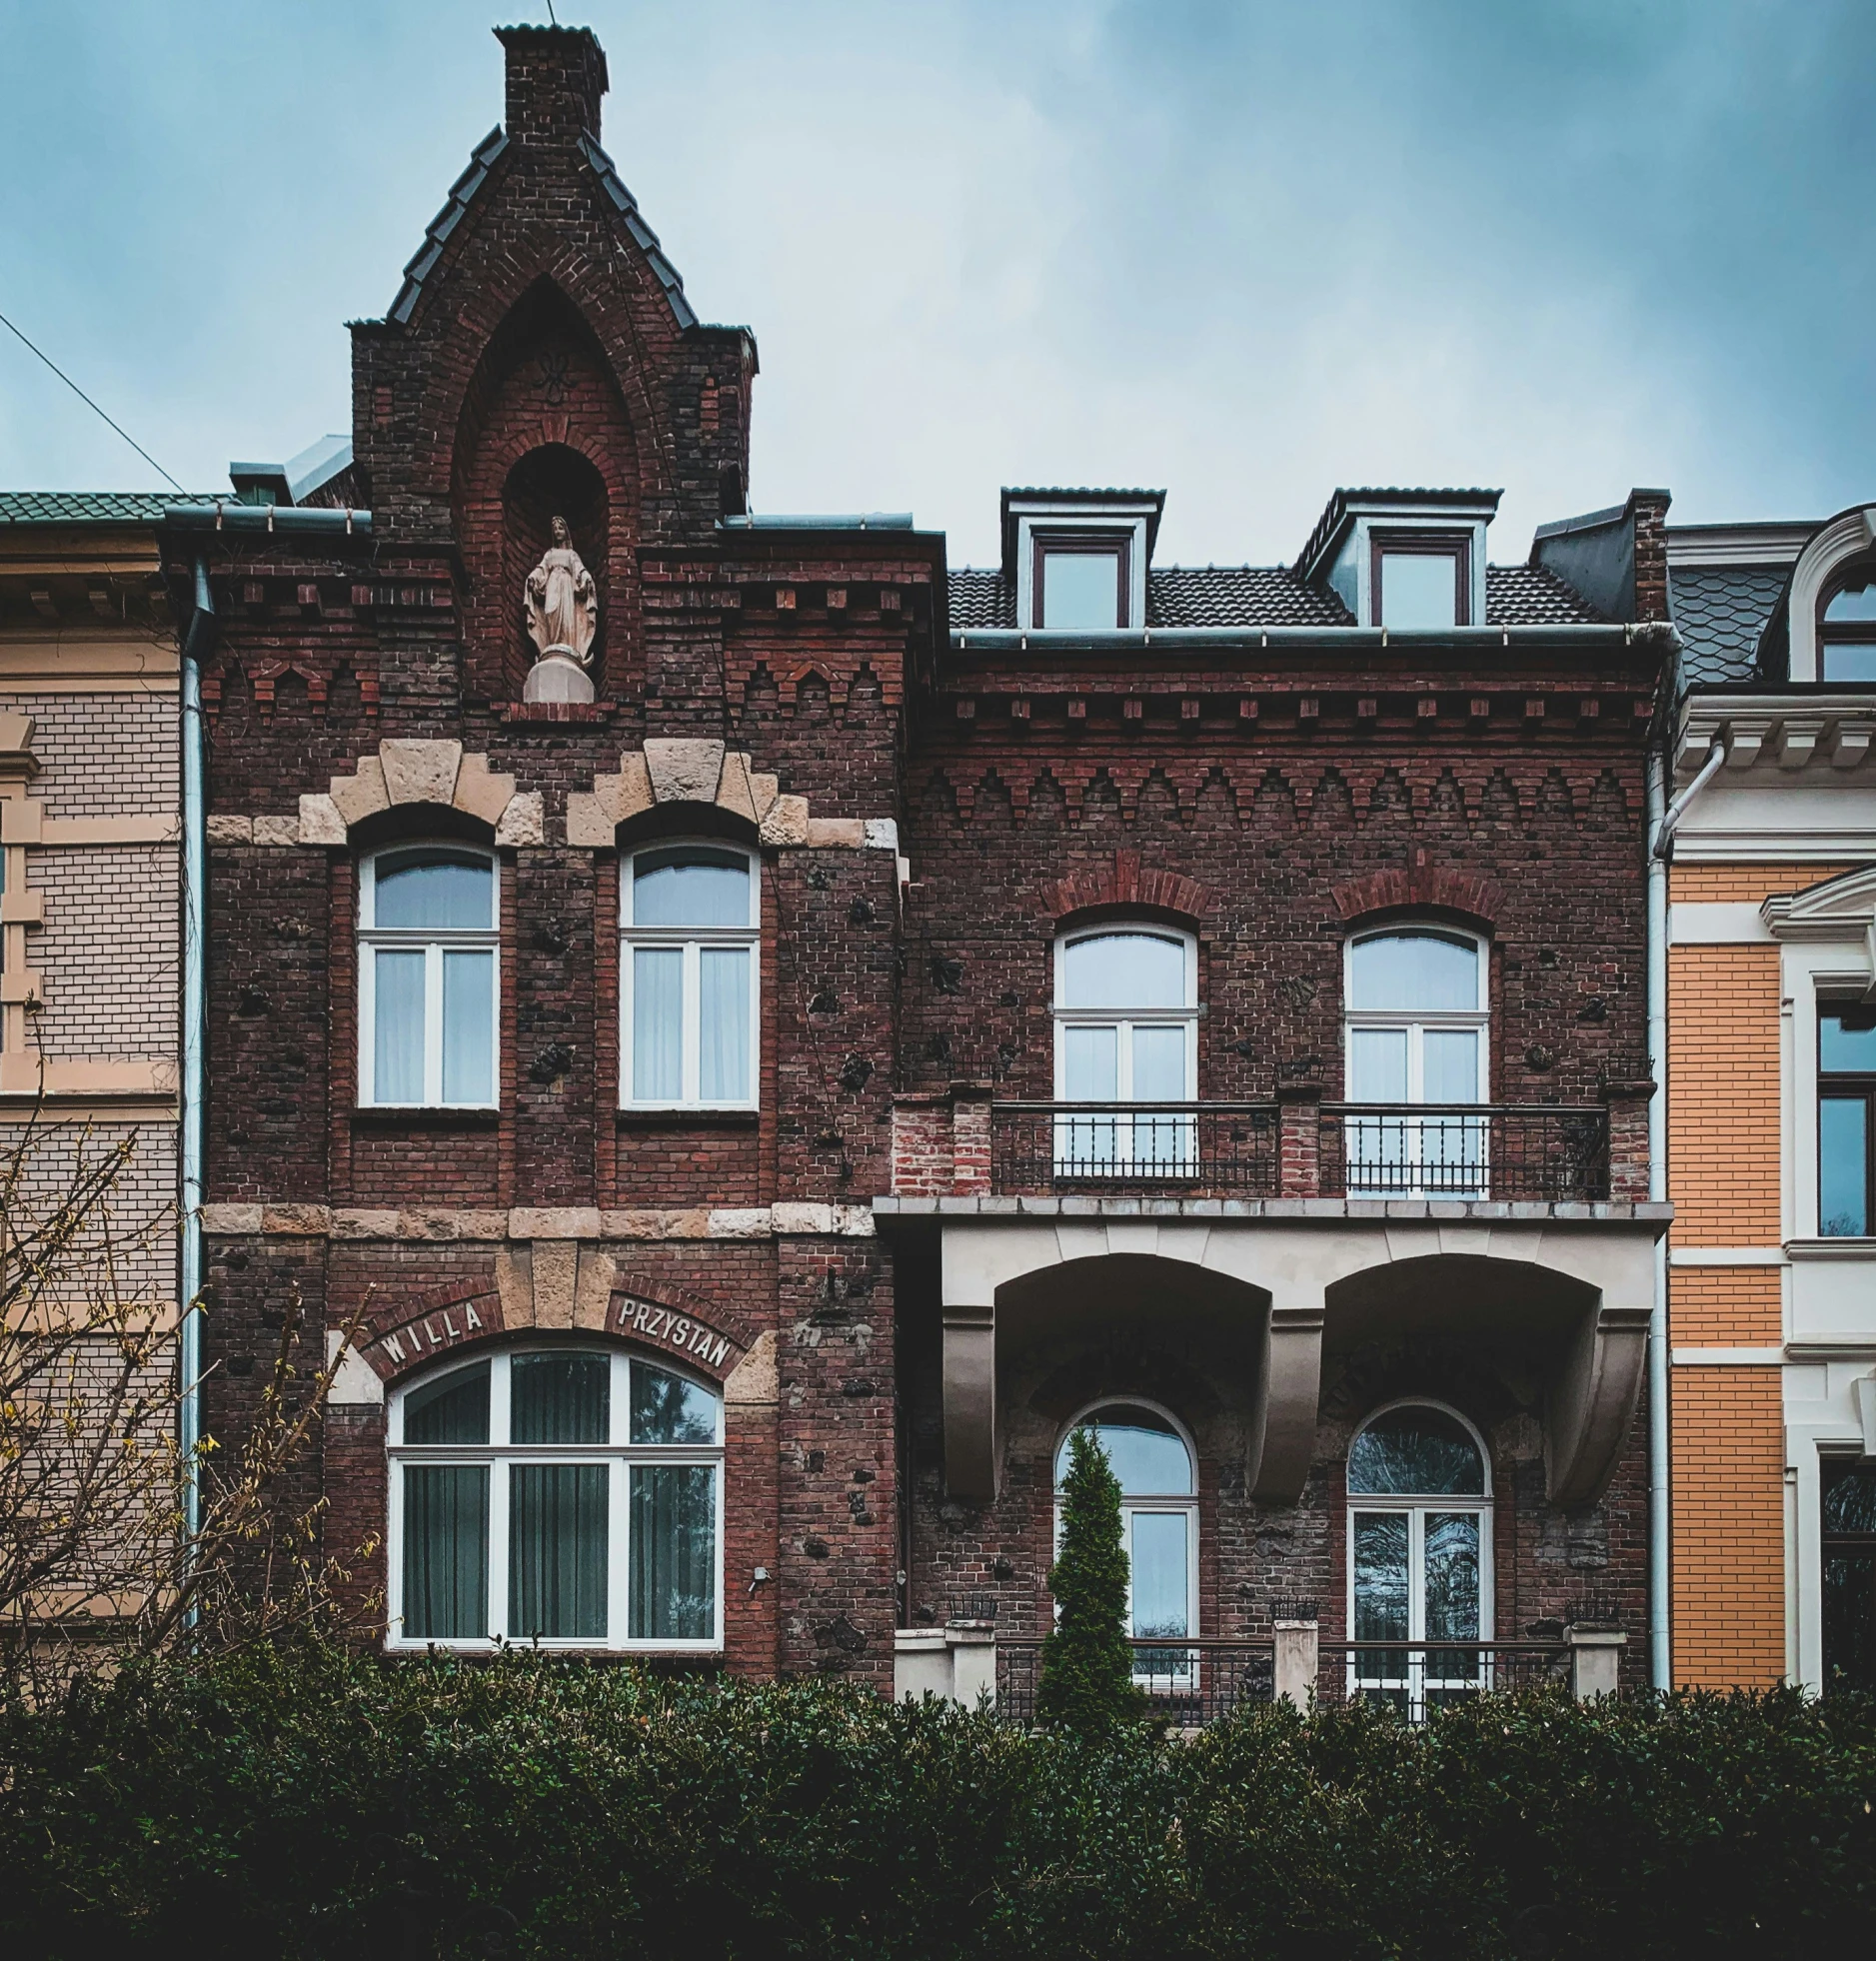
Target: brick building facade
(870,1192)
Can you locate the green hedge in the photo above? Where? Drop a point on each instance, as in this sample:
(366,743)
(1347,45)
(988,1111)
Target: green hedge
(325,1805)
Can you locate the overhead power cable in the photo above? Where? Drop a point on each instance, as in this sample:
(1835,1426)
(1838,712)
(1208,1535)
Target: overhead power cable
(92,406)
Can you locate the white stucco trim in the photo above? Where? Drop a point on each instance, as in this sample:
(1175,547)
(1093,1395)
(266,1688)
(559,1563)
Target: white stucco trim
(1705,922)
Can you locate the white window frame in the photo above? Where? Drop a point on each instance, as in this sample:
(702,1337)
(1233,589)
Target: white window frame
(433,942)
(1156,1146)
(1415,1506)
(1417,1022)
(617,1453)
(1172,1503)
(691,940)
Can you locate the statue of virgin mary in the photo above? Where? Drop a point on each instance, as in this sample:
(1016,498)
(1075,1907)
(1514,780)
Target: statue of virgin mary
(562,601)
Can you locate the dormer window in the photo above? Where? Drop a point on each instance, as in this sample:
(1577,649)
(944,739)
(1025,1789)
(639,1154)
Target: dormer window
(1846,625)
(1410,559)
(1421,578)
(1077,558)
(1080,581)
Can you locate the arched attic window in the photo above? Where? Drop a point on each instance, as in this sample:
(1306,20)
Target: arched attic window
(1846,624)
(1419,1559)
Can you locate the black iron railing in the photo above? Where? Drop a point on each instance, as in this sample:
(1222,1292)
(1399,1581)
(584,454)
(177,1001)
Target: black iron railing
(1186,1683)
(1416,1677)
(1541,1152)
(1195,1149)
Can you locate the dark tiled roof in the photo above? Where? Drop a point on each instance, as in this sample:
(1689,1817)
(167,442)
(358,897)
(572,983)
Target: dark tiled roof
(1532,596)
(1271,596)
(1721,609)
(85,507)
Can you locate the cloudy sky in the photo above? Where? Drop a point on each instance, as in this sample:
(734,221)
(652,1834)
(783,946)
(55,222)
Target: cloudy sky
(1246,251)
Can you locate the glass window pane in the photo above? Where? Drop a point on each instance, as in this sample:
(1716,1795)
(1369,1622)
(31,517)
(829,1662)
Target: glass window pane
(397,1027)
(668,1410)
(1853,603)
(1124,969)
(557,1551)
(433,888)
(454,1411)
(1145,1451)
(1850,1498)
(1091,1066)
(690,886)
(1412,972)
(1158,1556)
(1419,589)
(1451,1563)
(446,1552)
(1380,1582)
(1415,1451)
(672,1589)
(1081,591)
(468,1027)
(1853,661)
(657,1023)
(1449,1066)
(1843,1166)
(1158,1065)
(724,1019)
(1850,1619)
(1377,1065)
(1846,1039)
(559,1398)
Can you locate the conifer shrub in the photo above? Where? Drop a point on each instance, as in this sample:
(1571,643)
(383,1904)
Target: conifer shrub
(332,1807)
(1086,1682)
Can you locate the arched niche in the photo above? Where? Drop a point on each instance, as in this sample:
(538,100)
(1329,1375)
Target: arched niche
(543,432)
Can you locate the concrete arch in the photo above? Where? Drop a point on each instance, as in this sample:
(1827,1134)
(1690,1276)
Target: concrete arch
(1576,1293)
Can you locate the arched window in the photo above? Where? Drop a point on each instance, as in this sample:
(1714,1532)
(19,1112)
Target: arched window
(428,977)
(1417,1033)
(689,919)
(1846,625)
(1152,1460)
(1419,1557)
(1126,1032)
(572,1496)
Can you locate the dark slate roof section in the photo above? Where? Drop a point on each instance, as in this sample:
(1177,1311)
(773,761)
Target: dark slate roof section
(1232,596)
(1722,610)
(644,237)
(462,195)
(84,507)
(1534,596)
(1271,596)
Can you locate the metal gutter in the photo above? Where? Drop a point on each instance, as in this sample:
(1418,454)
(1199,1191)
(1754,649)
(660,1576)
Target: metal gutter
(1572,633)
(194,1031)
(831,521)
(224,513)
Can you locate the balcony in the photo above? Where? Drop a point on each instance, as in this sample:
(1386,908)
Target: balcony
(968,1142)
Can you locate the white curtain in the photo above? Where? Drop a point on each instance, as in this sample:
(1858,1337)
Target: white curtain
(724,1033)
(468,1027)
(397,1028)
(657,1023)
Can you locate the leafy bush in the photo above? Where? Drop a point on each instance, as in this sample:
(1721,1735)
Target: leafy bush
(318,1804)
(1088,1668)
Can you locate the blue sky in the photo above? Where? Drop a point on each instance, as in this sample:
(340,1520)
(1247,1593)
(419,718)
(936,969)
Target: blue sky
(1248,252)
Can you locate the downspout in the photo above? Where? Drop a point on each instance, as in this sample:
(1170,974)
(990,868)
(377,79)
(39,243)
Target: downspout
(194,1000)
(1663,817)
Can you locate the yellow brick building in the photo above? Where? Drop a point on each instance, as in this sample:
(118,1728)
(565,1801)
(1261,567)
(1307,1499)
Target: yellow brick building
(1771,1270)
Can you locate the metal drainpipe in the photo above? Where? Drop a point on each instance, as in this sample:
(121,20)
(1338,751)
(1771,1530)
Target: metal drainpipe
(194,992)
(1662,820)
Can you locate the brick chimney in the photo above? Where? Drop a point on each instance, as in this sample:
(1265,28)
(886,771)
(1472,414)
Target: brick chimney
(555,76)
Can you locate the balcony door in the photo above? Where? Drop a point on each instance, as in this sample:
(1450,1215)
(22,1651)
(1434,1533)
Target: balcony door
(1418,1032)
(1126,1033)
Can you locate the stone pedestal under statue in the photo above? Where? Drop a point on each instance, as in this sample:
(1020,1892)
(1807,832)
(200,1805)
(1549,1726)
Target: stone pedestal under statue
(562,609)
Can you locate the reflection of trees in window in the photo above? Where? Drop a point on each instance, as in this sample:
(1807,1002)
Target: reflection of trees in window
(1846,1121)
(1849,1561)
